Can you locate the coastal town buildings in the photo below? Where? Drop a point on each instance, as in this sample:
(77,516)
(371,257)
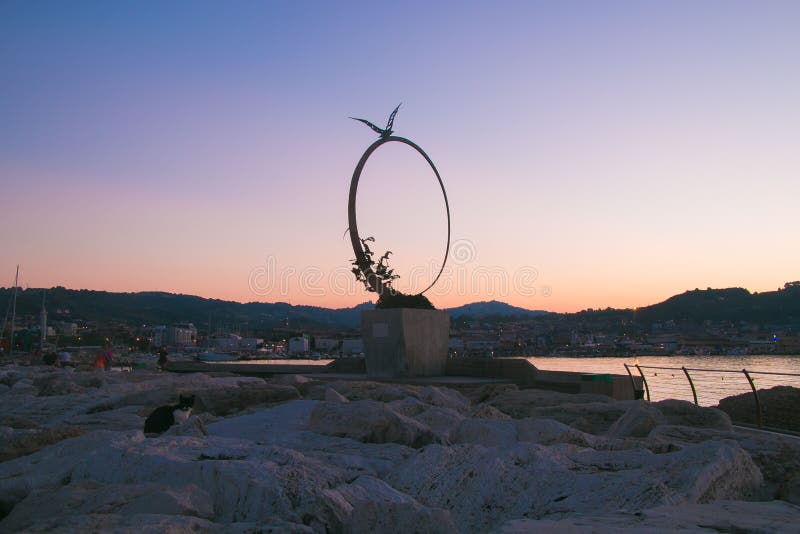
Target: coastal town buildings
(299,345)
(352,346)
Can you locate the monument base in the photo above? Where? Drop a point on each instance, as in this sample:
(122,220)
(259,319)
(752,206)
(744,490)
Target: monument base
(404,342)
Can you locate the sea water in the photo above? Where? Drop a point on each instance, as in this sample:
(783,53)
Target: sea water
(714,377)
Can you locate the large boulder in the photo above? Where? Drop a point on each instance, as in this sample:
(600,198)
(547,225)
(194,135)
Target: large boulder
(56,384)
(486,432)
(551,432)
(370,422)
(90,497)
(488,392)
(131,524)
(519,403)
(226,400)
(440,420)
(444,398)
(331,395)
(287,425)
(487,411)
(15,421)
(777,456)
(23,386)
(684,413)
(637,421)
(778,407)
(408,406)
(12,374)
(124,418)
(365,390)
(720,516)
(369,505)
(396,393)
(15,443)
(303,384)
(244,481)
(485,486)
(589,417)
(507,432)
(216,394)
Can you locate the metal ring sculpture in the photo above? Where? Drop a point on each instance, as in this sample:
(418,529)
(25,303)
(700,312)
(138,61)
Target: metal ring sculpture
(361,260)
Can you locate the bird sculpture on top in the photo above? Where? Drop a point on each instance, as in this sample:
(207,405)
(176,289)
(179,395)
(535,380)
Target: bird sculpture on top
(383,132)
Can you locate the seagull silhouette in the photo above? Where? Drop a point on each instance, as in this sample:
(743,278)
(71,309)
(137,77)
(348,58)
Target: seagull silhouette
(385,132)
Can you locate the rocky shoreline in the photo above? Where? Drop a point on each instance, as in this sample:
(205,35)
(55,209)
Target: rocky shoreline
(779,408)
(294,454)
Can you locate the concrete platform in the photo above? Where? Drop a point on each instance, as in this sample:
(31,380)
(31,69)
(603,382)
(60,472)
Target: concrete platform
(464,372)
(322,372)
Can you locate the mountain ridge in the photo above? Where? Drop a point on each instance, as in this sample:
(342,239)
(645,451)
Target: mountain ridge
(162,307)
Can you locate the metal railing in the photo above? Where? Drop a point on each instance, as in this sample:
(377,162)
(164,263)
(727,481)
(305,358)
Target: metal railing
(707,387)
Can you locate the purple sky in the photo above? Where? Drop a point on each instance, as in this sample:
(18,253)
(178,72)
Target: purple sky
(595,153)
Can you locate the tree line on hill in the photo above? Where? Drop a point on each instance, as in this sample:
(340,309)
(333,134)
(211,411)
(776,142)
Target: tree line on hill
(149,308)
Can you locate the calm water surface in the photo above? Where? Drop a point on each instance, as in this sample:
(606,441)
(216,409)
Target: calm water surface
(710,380)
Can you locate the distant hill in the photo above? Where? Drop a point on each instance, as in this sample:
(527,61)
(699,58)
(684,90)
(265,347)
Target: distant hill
(493,308)
(168,308)
(731,304)
(691,307)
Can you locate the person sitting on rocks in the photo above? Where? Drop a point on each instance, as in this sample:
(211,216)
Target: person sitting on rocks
(100,361)
(162,358)
(64,359)
(49,358)
(107,358)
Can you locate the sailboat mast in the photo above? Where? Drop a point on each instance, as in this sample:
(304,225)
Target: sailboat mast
(13,314)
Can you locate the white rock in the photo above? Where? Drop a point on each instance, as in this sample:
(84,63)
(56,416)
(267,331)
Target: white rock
(368,421)
(720,516)
(368,505)
(127,524)
(20,442)
(550,431)
(90,497)
(486,411)
(246,481)
(518,402)
(57,384)
(331,395)
(444,398)
(484,487)
(24,386)
(227,400)
(440,420)
(637,421)
(362,390)
(124,418)
(408,406)
(487,432)
(269,425)
(590,417)
(777,456)
(286,425)
(193,426)
(291,380)
(684,413)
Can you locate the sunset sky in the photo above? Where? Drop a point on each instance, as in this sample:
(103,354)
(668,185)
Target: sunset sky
(594,153)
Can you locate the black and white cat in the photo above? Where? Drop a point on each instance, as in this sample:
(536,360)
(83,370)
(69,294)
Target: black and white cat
(164,417)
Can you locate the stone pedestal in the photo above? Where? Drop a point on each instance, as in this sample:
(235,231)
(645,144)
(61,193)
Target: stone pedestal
(405,342)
